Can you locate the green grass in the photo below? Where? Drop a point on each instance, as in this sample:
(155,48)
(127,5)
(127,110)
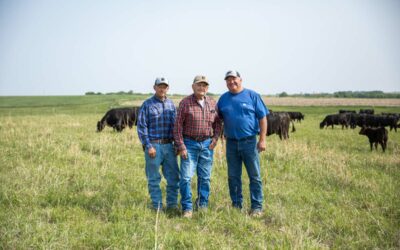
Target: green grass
(62,185)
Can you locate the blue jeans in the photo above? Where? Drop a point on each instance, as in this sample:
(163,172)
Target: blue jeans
(200,158)
(165,156)
(238,151)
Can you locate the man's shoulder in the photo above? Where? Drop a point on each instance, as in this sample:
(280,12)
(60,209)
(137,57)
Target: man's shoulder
(148,101)
(223,96)
(186,99)
(252,92)
(170,102)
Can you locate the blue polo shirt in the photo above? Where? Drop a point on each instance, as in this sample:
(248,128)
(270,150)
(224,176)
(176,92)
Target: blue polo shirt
(241,113)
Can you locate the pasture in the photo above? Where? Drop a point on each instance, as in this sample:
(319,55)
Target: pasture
(62,185)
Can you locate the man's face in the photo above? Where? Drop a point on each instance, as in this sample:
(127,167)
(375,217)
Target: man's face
(161,90)
(234,84)
(200,89)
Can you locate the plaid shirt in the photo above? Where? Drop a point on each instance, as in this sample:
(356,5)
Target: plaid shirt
(195,121)
(156,120)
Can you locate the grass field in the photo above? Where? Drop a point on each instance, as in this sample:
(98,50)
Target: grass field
(62,185)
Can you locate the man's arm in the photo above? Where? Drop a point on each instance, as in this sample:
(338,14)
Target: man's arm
(178,128)
(261,145)
(142,127)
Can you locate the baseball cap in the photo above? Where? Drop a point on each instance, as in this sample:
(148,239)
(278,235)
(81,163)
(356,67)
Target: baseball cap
(161,80)
(200,78)
(233,73)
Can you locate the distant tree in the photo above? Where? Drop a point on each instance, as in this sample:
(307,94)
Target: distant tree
(283,94)
(90,93)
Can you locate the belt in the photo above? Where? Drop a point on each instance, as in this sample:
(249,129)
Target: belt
(161,141)
(197,138)
(242,139)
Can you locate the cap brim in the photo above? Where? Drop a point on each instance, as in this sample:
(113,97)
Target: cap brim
(230,76)
(201,82)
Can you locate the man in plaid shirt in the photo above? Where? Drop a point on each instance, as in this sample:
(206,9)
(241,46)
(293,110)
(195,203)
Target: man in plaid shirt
(155,129)
(196,131)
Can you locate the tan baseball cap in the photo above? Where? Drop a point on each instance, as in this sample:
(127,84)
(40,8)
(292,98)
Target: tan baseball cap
(200,78)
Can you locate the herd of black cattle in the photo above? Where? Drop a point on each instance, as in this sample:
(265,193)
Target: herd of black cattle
(373,126)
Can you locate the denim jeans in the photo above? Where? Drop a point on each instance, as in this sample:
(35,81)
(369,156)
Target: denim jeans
(200,159)
(165,156)
(238,152)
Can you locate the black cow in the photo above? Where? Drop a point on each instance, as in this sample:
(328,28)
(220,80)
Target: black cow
(367,111)
(279,123)
(378,121)
(335,119)
(342,111)
(352,119)
(375,136)
(119,118)
(296,116)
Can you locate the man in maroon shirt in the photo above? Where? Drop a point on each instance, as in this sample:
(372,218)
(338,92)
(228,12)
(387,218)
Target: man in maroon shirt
(196,131)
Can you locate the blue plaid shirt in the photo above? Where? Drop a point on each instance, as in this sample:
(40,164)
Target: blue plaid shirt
(156,120)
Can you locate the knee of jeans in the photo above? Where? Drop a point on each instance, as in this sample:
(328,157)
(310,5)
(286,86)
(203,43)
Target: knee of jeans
(153,178)
(255,179)
(204,178)
(185,179)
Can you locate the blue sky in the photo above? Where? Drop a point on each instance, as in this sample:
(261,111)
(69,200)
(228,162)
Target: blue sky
(70,47)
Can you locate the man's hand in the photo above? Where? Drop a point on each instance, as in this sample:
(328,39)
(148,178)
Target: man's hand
(152,152)
(213,144)
(183,154)
(261,146)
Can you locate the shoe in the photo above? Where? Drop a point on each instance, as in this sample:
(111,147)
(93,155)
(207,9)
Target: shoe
(256,213)
(187,214)
(172,210)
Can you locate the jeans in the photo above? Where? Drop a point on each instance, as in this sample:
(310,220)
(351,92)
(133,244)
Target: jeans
(238,151)
(165,156)
(200,158)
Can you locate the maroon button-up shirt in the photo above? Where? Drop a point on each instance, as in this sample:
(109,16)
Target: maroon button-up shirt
(195,121)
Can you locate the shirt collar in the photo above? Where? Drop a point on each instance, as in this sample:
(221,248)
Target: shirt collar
(205,98)
(158,100)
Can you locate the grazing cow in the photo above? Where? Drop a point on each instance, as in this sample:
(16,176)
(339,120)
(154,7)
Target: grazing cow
(290,117)
(352,119)
(296,116)
(279,123)
(378,121)
(342,111)
(119,118)
(367,111)
(375,136)
(335,119)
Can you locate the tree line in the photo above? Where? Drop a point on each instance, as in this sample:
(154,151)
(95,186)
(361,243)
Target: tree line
(339,94)
(346,94)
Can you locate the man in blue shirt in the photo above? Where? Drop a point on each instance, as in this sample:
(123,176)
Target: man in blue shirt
(244,115)
(155,129)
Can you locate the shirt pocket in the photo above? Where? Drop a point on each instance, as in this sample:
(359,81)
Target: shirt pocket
(247,109)
(154,112)
(210,115)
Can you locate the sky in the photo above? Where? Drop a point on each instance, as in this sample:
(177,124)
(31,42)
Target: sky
(69,47)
